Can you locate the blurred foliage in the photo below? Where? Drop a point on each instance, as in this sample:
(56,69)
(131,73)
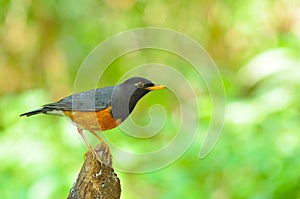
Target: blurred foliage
(255,44)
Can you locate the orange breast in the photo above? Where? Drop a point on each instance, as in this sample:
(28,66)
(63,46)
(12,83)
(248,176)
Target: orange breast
(95,121)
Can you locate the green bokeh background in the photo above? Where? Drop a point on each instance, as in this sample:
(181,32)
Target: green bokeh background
(255,44)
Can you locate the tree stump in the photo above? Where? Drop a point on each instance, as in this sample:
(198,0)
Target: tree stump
(97,180)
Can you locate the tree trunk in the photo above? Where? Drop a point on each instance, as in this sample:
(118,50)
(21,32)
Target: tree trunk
(97,180)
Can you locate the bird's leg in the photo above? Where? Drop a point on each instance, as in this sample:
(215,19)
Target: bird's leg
(101,140)
(95,154)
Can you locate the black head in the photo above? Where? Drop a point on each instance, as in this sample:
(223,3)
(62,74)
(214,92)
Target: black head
(141,84)
(127,94)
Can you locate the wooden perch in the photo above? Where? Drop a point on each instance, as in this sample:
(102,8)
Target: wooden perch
(97,180)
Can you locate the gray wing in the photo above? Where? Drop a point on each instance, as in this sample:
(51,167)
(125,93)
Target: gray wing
(92,100)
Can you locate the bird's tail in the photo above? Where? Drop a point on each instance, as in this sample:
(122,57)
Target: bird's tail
(42,110)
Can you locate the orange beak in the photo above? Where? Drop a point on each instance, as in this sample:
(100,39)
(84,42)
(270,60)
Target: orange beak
(156,87)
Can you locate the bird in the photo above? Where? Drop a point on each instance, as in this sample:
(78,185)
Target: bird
(100,109)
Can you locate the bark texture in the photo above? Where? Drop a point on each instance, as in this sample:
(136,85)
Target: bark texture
(97,180)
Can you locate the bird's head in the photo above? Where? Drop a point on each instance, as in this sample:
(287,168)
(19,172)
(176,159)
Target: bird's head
(141,84)
(128,93)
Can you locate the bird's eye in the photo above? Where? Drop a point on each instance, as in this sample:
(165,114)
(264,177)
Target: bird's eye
(140,85)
